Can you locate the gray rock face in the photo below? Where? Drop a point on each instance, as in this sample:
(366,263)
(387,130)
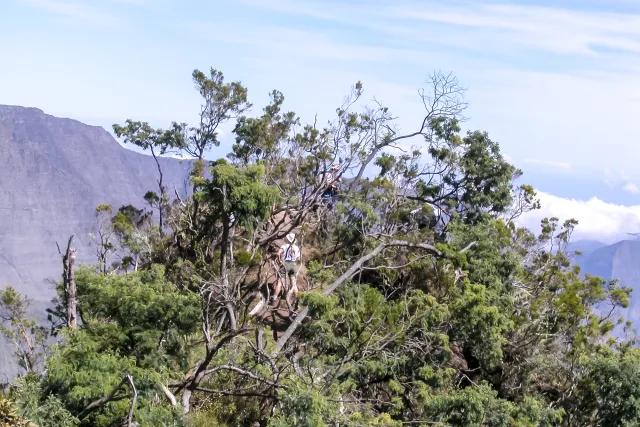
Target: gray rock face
(53,174)
(585,246)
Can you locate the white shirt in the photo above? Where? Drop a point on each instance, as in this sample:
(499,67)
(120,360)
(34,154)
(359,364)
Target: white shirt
(291,252)
(331,176)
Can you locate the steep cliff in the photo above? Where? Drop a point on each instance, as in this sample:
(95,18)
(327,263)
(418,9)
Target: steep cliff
(53,174)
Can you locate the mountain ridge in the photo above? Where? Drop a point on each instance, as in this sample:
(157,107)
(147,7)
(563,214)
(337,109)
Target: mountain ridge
(54,173)
(617,261)
(585,246)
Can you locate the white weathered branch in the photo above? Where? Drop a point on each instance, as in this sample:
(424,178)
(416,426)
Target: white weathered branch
(352,271)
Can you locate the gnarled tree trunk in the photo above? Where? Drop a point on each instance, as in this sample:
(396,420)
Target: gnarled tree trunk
(69,280)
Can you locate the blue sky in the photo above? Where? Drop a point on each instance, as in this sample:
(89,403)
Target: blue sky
(557,83)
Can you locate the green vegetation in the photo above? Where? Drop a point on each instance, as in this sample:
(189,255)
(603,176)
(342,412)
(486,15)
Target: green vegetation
(422,302)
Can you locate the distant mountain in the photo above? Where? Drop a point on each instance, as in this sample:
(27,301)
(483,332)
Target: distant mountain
(585,246)
(53,174)
(618,261)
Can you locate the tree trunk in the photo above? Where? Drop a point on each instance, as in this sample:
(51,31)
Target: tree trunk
(69,281)
(224,272)
(224,247)
(162,193)
(224,250)
(201,369)
(196,203)
(72,319)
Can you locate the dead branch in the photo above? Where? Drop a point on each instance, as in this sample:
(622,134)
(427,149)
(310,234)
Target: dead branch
(111,396)
(244,373)
(192,383)
(236,393)
(134,398)
(170,396)
(69,281)
(352,271)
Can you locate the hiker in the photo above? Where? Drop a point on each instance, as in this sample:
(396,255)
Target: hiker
(332,182)
(288,257)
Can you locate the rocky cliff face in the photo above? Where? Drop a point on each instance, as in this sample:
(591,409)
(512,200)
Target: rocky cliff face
(53,174)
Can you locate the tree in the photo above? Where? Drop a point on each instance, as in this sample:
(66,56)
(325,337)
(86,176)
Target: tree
(48,411)
(292,163)
(234,196)
(605,394)
(135,335)
(221,102)
(132,227)
(27,337)
(259,139)
(159,142)
(103,241)
(69,281)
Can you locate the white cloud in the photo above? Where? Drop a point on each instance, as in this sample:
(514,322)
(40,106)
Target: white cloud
(597,219)
(304,43)
(77,11)
(619,179)
(536,27)
(181,156)
(624,175)
(554,29)
(550,163)
(631,188)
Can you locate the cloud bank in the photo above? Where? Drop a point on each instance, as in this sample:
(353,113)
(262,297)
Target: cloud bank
(597,220)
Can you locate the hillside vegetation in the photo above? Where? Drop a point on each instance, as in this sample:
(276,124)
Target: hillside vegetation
(421,301)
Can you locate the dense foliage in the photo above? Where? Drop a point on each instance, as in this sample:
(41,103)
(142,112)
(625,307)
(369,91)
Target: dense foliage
(422,302)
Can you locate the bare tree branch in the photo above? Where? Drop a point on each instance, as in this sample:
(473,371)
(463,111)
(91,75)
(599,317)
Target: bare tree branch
(103,400)
(352,271)
(134,398)
(69,281)
(170,396)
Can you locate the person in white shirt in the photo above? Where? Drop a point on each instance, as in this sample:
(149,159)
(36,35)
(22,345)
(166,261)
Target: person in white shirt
(332,185)
(288,256)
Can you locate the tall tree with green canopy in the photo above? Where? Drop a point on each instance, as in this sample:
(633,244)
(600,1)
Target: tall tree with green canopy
(233,197)
(159,142)
(221,103)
